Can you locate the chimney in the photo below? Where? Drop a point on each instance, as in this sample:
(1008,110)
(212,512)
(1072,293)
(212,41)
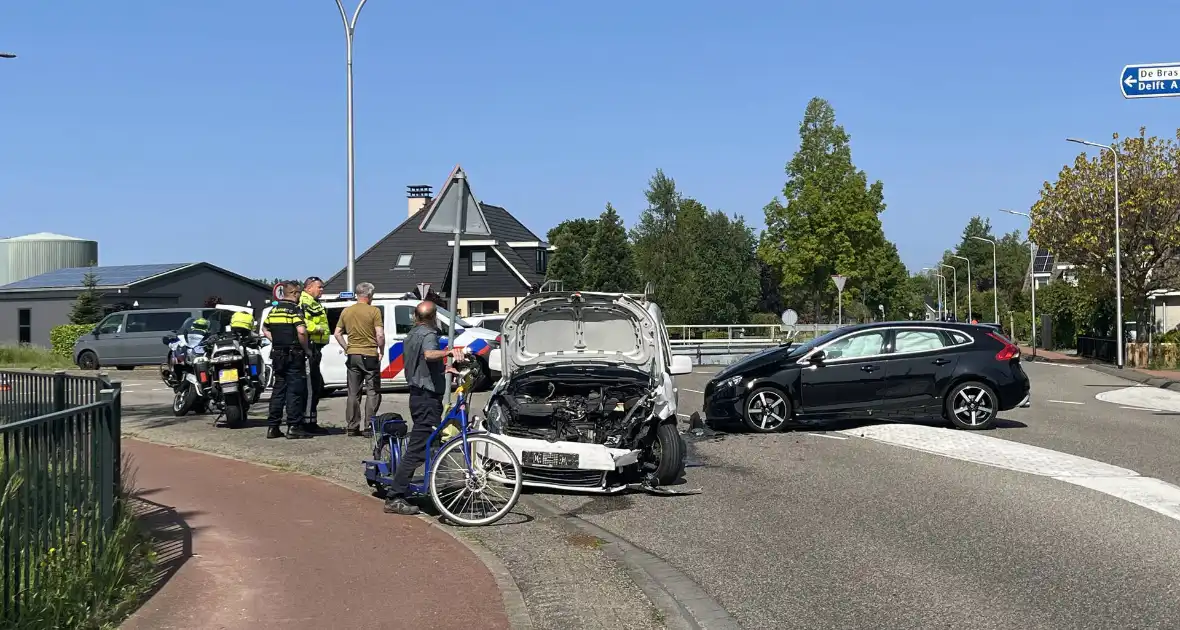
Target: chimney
(419,198)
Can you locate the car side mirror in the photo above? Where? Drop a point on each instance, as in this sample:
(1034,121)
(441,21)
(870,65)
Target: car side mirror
(817,358)
(681,365)
(496,360)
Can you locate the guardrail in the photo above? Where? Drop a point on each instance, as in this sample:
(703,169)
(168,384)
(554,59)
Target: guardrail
(745,332)
(60,459)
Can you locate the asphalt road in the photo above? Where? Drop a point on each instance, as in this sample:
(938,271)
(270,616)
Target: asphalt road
(825,529)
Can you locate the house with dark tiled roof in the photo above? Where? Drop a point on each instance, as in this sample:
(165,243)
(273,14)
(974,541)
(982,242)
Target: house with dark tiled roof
(1045,268)
(31,307)
(495,271)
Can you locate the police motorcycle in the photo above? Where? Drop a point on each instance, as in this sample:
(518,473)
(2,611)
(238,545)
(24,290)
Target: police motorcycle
(224,371)
(177,371)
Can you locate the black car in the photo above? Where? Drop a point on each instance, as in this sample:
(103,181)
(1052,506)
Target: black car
(966,373)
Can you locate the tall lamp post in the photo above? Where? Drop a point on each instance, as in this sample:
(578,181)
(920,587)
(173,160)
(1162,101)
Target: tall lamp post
(1032,277)
(955,279)
(995,283)
(349,30)
(1118,258)
(970,311)
(939,289)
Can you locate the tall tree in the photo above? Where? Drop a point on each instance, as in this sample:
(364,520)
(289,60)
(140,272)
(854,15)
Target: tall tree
(571,238)
(830,223)
(609,264)
(657,246)
(721,280)
(88,305)
(1074,217)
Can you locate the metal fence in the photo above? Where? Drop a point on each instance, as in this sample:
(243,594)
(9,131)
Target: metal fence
(60,472)
(1098,349)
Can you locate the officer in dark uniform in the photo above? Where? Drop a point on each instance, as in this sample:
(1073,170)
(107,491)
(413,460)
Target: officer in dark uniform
(289,351)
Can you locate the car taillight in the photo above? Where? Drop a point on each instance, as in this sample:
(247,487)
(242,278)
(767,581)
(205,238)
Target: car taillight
(499,338)
(1010,351)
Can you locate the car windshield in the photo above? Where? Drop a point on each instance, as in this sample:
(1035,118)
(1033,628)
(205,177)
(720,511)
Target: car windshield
(817,342)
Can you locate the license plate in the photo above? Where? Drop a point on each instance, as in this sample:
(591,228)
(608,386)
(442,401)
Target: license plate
(228,375)
(549,460)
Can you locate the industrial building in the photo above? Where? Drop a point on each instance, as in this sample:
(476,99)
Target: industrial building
(32,306)
(34,254)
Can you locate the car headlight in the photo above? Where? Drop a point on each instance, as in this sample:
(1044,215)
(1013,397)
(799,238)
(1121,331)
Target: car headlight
(733,381)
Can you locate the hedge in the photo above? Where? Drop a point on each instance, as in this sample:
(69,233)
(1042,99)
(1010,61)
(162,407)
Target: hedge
(62,338)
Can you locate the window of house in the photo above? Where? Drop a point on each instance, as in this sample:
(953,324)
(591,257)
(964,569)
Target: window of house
(24,325)
(479,261)
(542,260)
(482,307)
(404,260)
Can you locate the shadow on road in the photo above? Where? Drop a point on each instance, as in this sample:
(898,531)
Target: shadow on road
(172,537)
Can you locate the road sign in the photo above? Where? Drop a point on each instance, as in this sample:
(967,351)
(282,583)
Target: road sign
(423,290)
(839,280)
(1150,80)
(790,317)
(277,291)
(455,210)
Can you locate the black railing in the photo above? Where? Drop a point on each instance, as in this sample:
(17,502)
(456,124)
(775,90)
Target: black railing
(60,474)
(1098,348)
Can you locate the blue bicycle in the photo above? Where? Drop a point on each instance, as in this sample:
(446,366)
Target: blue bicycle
(472,478)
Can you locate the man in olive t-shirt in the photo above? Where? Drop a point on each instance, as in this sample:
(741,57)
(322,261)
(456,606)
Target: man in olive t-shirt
(364,329)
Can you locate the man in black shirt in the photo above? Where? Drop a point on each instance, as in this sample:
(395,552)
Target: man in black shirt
(289,350)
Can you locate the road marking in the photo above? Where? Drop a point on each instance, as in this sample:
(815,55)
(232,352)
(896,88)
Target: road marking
(695,391)
(1144,398)
(832,437)
(1066,402)
(1122,483)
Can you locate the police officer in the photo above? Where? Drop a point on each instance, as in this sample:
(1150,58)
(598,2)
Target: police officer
(316,319)
(284,326)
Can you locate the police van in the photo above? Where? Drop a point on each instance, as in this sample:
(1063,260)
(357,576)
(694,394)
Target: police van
(397,311)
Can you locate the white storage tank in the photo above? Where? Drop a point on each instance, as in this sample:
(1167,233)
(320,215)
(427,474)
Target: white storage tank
(32,255)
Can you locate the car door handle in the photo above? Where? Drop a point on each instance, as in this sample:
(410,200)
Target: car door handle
(868,368)
(941,361)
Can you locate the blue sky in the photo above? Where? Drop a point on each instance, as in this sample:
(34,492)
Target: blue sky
(146,125)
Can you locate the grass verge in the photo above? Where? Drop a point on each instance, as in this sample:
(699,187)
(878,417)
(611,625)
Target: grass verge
(28,357)
(83,580)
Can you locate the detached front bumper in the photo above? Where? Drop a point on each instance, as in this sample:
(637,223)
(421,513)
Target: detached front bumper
(569,465)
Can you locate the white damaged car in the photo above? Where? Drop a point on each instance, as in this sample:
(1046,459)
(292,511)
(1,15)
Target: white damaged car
(586,398)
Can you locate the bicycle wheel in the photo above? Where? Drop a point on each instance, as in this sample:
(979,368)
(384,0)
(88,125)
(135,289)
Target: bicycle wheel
(479,493)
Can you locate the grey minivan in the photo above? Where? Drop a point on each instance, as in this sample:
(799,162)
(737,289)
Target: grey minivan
(130,338)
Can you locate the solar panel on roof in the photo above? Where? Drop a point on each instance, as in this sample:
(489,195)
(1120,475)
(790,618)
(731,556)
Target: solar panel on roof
(113,276)
(1043,263)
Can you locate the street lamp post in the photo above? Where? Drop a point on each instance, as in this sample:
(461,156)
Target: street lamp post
(970,311)
(1118,266)
(995,284)
(1032,277)
(349,30)
(955,279)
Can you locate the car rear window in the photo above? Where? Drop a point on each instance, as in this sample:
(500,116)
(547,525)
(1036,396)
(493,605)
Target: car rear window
(959,337)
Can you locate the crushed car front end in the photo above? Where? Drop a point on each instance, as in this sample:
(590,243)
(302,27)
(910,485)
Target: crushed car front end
(583,400)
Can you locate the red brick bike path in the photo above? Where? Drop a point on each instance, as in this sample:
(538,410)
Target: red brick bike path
(271,549)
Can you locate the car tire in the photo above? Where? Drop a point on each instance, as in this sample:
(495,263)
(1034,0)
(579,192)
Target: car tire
(671,454)
(764,402)
(87,360)
(971,405)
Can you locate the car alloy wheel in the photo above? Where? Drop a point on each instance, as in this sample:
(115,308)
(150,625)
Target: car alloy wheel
(767,410)
(972,406)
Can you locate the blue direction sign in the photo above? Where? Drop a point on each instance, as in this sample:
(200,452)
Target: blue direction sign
(1150,80)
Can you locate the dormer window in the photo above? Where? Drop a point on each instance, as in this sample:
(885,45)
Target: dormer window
(479,261)
(404,260)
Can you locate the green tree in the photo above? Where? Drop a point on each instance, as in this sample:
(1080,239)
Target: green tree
(657,247)
(1074,217)
(609,265)
(721,279)
(571,238)
(88,305)
(830,224)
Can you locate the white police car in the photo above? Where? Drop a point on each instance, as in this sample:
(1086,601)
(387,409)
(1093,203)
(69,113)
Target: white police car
(398,313)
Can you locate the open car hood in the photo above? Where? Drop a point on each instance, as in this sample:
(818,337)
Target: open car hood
(556,328)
